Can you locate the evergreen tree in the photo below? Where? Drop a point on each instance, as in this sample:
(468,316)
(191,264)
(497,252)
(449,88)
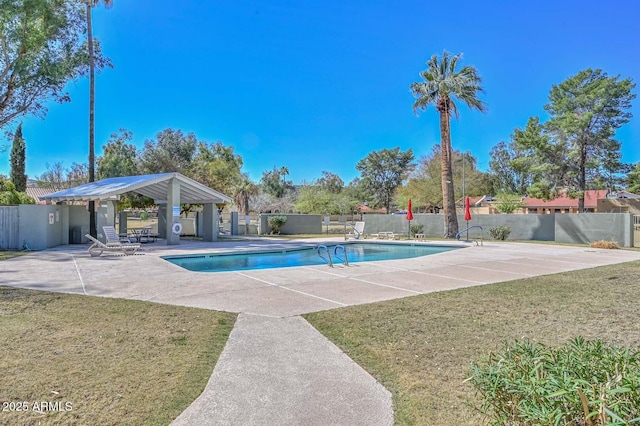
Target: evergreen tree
(18,149)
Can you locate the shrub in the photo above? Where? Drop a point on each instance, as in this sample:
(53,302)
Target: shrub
(416,228)
(500,232)
(144,215)
(276,222)
(581,383)
(604,244)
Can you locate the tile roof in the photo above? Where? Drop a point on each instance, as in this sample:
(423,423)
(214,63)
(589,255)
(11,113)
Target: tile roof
(37,192)
(591,198)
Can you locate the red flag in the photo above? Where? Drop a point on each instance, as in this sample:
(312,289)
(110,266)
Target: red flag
(467,209)
(409,212)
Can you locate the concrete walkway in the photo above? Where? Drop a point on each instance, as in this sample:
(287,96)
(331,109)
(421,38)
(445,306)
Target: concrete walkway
(281,371)
(276,369)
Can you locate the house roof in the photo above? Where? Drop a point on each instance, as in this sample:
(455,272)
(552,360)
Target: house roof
(153,186)
(37,192)
(363,208)
(591,197)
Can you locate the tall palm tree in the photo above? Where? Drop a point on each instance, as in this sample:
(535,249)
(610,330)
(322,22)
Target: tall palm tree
(284,171)
(90,4)
(442,84)
(245,190)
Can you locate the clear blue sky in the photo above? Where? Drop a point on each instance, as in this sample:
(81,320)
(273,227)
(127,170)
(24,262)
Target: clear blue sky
(316,85)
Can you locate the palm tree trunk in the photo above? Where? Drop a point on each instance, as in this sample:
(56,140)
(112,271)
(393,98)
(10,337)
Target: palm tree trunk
(448,196)
(92,160)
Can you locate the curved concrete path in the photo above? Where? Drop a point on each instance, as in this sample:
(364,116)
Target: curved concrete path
(276,369)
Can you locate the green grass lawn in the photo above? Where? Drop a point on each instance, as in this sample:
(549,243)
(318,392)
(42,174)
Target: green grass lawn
(105,361)
(420,348)
(8,254)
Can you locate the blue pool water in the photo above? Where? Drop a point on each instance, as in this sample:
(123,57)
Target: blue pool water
(307,256)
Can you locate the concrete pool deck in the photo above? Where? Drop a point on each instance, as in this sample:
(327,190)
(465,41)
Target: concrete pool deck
(275,368)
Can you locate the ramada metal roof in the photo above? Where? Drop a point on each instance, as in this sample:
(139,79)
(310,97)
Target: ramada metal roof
(153,186)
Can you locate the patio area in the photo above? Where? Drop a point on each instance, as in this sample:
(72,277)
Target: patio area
(290,291)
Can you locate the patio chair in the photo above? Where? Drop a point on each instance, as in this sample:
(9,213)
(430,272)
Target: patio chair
(357,232)
(98,247)
(112,236)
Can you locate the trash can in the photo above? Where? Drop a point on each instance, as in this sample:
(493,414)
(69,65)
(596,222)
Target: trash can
(75,235)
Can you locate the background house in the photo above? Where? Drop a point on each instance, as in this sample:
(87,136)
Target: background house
(564,204)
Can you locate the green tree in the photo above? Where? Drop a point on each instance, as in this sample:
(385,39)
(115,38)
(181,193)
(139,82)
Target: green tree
(42,48)
(90,4)
(384,171)
(217,166)
(312,199)
(9,195)
(509,203)
(173,151)
(511,164)
(586,110)
(331,182)
(119,157)
(318,200)
(633,180)
(342,203)
(443,83)
(284,171)
(17,159)
(274,182)
(357,192)
(424,186)
(614,170)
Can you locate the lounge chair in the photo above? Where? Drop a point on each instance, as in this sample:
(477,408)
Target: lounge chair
(386,235)
(112,236)
(357,231)
(98,247)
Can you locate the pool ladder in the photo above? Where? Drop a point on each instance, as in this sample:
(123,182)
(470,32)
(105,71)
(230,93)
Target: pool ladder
(467,230)
(325,254)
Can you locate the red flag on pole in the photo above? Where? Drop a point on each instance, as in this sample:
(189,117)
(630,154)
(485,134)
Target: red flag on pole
(409,217)
(467,209)
(409,212)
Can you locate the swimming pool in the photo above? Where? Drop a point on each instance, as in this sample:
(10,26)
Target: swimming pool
(301,256)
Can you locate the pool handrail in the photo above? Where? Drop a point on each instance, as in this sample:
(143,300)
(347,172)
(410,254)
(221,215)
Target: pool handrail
(358,233)
(344,261)
(471,227)
(328,258)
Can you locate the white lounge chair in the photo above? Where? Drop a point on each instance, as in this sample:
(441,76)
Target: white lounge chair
(98,247)
(112,236)
(387,235)
(357,231)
